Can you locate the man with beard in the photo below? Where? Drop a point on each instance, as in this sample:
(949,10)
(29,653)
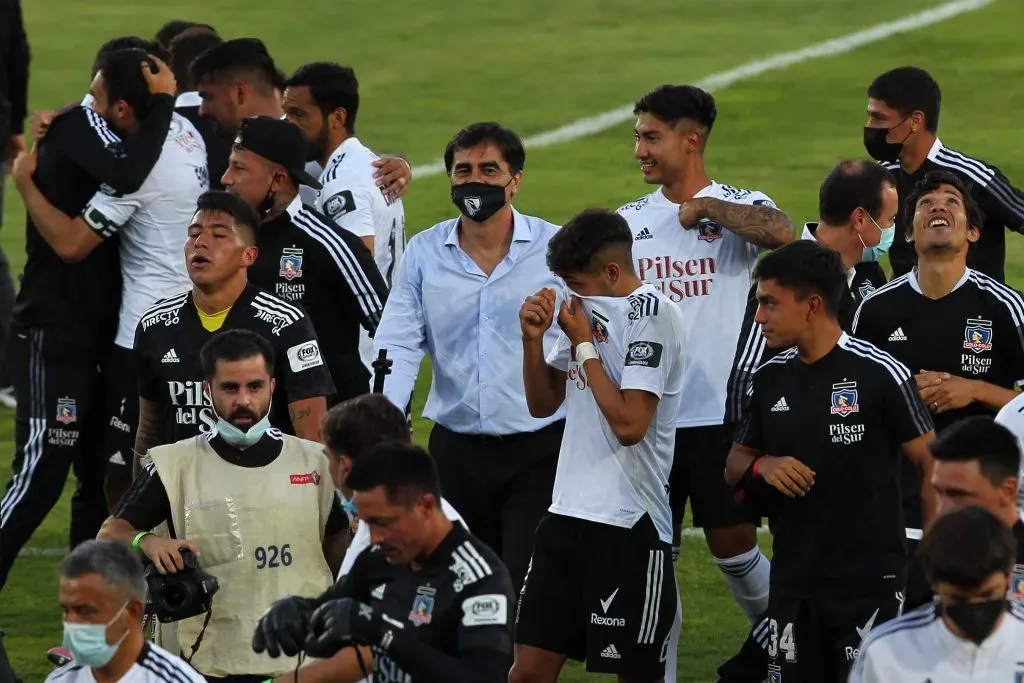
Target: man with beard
(254,504)
(303,257)
(958,330)
(237,79)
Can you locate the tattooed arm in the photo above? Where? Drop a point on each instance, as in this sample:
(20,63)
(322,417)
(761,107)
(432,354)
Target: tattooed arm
(306,415)
(763,226)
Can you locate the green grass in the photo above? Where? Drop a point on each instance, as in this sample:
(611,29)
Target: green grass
(426,69)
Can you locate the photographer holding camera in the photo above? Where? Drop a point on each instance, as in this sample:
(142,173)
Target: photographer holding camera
(102,592)
(255,507)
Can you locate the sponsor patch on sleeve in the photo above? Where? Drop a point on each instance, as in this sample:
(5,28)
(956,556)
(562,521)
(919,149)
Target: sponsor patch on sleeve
(304,356)
(765,202)
(645,354)
(340,203)
(485,610)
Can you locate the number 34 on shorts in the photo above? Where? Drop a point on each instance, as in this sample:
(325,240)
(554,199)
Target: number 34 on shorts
(781,640)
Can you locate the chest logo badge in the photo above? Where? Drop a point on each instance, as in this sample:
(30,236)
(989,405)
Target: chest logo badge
(291,263)
(599,323)
(709,232)
(422,606)
(67,410)
(865,289)
(978,335)
(844,399)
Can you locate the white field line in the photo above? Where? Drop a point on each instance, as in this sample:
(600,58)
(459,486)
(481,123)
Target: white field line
(829,48)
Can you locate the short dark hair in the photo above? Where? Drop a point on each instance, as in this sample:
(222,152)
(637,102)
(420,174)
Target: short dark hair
(113,561)
(232,345)
(806,267)
(116,45)
(931,181)
(123,79)
(244,215)
(852,184)
(908,89)
(983,439)
(405,471)
(672,103)
(174,28)
(185,47)
(332,86)
(357,425)
(572,249)
(965,547)
(244,58)
(505,139)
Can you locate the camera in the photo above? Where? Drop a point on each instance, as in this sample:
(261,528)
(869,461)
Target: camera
(188,593)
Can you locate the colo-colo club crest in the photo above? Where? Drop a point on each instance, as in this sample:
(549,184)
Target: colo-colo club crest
(978,335)
(844,399)
(291,263)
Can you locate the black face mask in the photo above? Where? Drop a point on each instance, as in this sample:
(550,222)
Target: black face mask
(877,146)
(478,201)
(267,205)
(977,620)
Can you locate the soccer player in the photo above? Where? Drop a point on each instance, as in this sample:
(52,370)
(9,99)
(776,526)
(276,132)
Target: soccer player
(150,223)
(302,257)
(819,445)
(172,402)
(696,241)
(166,34)
(451,299)
(903,122)
(960,331)
(618,365)
(236,80)
(65,319)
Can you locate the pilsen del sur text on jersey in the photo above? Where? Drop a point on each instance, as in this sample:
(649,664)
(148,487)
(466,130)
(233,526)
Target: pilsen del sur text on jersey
(678,279)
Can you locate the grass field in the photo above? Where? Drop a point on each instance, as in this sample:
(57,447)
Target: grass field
(426,69)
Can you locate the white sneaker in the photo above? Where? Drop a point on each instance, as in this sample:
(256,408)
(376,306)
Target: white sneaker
(7,397)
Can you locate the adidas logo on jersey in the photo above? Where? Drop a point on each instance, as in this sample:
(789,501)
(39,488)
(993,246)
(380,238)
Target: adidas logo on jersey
(378,592)
(116,458)
(644,234)
(610,653)
(170,357)
(898,335)
(781,406)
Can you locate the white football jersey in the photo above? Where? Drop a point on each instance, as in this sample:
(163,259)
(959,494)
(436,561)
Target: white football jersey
(154,665)
(1011,416)
(153,224)
(706,271)
(639,339)
(352,200)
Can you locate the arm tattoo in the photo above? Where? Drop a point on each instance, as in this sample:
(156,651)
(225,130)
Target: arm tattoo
(762,226)
(301,413)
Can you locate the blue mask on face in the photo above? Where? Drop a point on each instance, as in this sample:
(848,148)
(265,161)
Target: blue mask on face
(236,437)
(876,252)
(88,644)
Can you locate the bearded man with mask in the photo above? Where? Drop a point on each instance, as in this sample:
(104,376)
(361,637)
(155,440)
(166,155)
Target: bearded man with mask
(256,506)
(455,296)
(102,596)
(303,256)
(971,632)
(903,123)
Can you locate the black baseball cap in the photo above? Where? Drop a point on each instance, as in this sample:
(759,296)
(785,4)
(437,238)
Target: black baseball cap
(279,141)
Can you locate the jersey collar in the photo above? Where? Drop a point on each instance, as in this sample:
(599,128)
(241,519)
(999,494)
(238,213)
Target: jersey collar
(260,454)
(188,99)
(341,150)
(446,547)
(916,286)
(706,191)
(937,147)
(295,207)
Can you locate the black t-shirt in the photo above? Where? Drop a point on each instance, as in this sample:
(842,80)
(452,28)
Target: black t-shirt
(79,155)
(459,604)
(170,336)
(844,416)
(752,350)
(145,505)
(1001,202)
(976,331)
(306,259)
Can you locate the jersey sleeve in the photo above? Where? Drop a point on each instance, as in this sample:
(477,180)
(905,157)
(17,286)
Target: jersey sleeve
(1001,201)
(1014,303)
(905,415)
(145,505)
(652,350)
(149,384)
(750,431)
(121,163)
(560,355)
(302,364)
(358,276)
(750,350)
(108,211)
(488,610)
(348,204)
(867,324)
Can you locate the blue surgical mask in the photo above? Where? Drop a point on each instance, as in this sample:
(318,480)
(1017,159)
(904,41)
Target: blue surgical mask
(876,252)
(236,437)
(88,644)
(346,504)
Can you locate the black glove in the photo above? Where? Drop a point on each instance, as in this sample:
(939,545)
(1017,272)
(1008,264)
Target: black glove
(283,627)
(343,622)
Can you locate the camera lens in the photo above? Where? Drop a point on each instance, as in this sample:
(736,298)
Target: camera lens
(176,595)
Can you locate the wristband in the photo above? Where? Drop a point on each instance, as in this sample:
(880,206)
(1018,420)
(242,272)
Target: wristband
(138,537)
(585,351)
(753,468)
